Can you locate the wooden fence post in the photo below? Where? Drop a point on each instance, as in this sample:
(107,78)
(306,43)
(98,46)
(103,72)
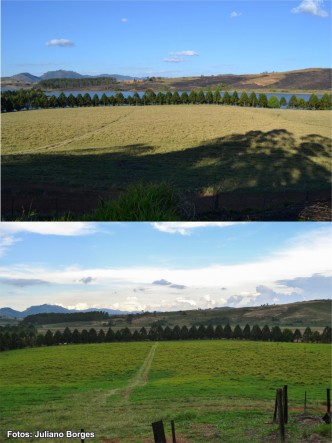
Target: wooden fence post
(275,409)
(158,432)
(281,415)
(173,431)
(285,400)
(328,401)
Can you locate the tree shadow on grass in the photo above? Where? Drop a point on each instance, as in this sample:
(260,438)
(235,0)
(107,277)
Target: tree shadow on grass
(253,162)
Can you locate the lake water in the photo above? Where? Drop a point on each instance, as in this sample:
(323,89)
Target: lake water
(127,93)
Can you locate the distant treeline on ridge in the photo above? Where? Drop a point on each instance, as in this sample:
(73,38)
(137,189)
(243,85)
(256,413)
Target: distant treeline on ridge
(52,317)
(23,335)
(36,99)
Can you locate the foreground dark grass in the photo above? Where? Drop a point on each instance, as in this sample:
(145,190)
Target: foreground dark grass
(255,161)
(216,391)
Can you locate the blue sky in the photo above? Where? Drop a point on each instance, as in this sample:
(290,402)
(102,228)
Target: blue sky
(163,266)
(165,38)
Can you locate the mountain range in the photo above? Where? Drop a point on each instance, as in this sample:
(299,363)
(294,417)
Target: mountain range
(28,78)
(310,79)
(42,309)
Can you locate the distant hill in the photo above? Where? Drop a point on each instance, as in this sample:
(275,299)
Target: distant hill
(312,79)
(316,313)
(46,309)
(26,77)
(60,74)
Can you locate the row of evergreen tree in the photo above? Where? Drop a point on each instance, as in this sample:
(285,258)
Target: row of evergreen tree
(36,99)
(14,339)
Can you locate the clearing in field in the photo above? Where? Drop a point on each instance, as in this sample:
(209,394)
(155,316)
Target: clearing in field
(197,148)
(215,391)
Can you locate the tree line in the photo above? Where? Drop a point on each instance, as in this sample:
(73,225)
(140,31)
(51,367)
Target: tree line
(51,317)
(36,99)
(65,83)
(12,337)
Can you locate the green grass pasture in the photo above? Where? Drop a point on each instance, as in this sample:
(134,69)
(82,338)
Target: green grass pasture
(216,391)
(203,147)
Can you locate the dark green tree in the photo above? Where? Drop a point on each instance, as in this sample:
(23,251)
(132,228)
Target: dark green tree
(86,99)
(235,98)
(184,98)
(184,333)
(266,333)
(256,333)
(160,98)
(62,100)
(76,337)
(119,98)
(325,102)
(276,334)
(200,96)
(95,100)
(67,335)
(217,97)
(176,98)
(283,102)
(193,97)
(110,336)
(262,101)
(253,102)
(246,332)
(293,102)
(57,338)
(53,102)
(209,333)
(326,335)
(209,97)
(219,332)
(228,333)
(226,98)
(101,336)
(237,333)
(168,98)
(313,102)
(104,100)
(176,333)
(273,102)
(307,335)
(287,335)
(244,99)
(201,332)
(143,333)
(302,104)
(297,335)
(71,101)
(79,100)
(92,336)
(48,338)
(193,334)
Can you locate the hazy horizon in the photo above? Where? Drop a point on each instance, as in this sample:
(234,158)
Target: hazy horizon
(163,266)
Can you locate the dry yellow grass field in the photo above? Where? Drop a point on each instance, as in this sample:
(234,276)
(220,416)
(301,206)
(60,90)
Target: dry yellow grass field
(165,128)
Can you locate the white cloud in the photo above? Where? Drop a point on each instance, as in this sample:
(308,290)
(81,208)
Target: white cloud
(60,42)
(312,7)
(184,53)
(49,228)
(180,56)
(124,20)
(289,274)
(173,60)
(186,228)
(235,14)
(5,242)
